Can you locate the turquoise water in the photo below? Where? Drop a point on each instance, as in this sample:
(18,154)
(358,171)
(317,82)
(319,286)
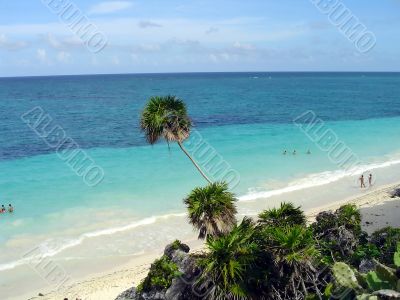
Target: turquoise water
(245,118)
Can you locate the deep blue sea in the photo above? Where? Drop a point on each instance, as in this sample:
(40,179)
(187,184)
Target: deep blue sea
(246,118)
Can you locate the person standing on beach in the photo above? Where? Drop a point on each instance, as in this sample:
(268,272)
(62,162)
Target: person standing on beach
(362,181)
(370,180)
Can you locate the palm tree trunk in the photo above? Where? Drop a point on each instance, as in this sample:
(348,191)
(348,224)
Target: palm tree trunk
(195,164)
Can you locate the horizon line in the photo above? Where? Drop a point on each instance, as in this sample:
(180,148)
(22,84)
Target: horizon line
(190,72)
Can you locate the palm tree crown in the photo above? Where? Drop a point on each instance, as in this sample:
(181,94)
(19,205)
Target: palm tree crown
(286,215)
(212,209)
(165,117)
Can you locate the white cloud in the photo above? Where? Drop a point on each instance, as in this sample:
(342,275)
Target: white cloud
(64,43)
(108,7)
(41,55)
(63,57)
(11,45)
(242,46)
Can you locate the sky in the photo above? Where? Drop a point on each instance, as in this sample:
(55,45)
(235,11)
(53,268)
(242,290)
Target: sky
(44,37)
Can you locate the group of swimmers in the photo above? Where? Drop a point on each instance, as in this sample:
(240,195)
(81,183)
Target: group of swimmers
(294,152)
(3,210)
(362,181)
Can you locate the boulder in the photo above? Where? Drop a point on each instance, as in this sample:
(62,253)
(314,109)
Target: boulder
(127,295)
(366,265)
(396,193)
(171,248)
(183,287)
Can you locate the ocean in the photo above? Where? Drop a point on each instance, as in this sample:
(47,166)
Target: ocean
(244,119)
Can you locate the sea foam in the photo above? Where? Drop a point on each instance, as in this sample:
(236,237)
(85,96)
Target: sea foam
(318,179)
(46,249)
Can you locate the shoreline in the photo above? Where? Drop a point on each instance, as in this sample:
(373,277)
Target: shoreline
(108,285)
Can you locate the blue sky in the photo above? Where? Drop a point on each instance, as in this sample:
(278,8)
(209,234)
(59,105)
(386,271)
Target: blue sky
(197,35)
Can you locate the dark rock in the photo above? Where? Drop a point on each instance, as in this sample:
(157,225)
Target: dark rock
(396,193)
(171,248)
(366,265)
(325,220)
(326,217)
(346,240)
(176,290)
(182,288)
(128,294)
(40,295)
(153,295)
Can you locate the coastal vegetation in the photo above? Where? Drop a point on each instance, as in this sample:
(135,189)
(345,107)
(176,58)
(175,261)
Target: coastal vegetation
(278,255)
(273,260)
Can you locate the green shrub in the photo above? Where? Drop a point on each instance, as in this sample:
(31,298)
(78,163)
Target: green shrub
(338,235)
(365,251)
(349,216)
(176,245)
(160,276)
(286,215)
(386,241)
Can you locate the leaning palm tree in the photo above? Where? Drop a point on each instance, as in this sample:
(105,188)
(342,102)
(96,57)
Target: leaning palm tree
(166,117)
(286,215)
(212,209)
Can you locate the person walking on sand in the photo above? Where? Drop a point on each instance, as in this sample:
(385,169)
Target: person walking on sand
(370,180)
(362,181)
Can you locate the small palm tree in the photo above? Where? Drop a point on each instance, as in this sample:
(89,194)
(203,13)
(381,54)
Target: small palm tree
(229,259)
(212,209)
(294,253)
(286,215)
(292,245)
(166,117)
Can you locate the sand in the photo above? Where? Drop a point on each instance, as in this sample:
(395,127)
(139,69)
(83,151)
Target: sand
(377,207)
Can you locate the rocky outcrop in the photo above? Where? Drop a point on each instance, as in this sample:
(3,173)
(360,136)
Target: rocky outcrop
(128,294)
(395,193)
(183,287)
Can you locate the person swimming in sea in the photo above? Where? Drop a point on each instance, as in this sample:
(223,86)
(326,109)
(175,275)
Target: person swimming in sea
(294,152)
(308,152)
(10,208)
(284,152)
(3,209)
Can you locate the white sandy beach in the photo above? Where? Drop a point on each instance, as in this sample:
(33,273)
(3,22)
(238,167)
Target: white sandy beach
(378,210)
